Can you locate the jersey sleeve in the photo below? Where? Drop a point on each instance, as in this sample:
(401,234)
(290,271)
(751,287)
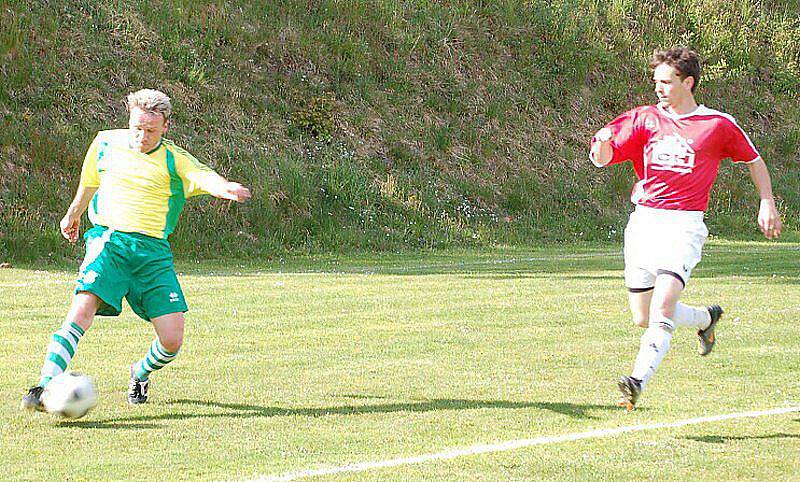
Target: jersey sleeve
(738,146)
(196,176)
(627,141)
(90,176)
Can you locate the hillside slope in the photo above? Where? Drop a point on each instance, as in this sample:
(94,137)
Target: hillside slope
(383,125)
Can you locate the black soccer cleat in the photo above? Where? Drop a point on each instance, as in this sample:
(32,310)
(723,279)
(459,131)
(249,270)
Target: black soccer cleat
(631,390)
(33,400)
(706,338)
(137,389)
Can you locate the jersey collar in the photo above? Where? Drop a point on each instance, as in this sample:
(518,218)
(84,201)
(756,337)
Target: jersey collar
(158,146)
(700,110)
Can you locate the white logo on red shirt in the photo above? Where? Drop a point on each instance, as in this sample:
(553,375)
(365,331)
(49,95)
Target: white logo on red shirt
(672,153)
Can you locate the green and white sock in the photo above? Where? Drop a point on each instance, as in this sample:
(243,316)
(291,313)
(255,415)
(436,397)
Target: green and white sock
(156,359)
(60,351)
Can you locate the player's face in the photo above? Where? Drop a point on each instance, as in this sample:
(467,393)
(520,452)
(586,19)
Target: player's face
(669,87)
(146,129)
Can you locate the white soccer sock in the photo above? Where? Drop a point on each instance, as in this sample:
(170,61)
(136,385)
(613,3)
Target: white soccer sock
(690,316)
(652,348)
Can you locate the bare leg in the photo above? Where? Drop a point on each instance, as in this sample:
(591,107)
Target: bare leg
(640,307)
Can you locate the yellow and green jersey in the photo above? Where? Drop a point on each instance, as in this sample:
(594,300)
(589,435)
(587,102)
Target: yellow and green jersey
(140,192)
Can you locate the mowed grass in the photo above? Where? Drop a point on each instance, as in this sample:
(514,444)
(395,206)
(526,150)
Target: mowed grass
(307,363)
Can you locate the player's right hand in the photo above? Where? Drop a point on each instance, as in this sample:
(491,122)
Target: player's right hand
(603,135)
(236,192)
(70,227)
(768,219)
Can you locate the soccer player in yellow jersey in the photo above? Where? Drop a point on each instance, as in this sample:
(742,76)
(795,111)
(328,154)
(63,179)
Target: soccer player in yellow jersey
(134,183)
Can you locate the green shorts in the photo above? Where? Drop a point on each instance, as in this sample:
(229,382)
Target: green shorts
(134,266)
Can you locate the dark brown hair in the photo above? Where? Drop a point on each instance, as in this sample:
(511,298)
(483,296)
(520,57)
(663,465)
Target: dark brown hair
(682,59)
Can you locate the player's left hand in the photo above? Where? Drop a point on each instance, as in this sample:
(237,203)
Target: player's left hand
(236,192)
(768,219)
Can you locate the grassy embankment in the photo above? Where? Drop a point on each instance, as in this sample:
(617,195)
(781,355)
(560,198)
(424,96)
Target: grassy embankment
(383,125)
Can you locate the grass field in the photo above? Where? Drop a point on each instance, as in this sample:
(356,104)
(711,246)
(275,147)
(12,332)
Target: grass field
(320,362)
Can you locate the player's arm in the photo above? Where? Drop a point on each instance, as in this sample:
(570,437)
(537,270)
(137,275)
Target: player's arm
(768,219)
(601,152)
(200,179)
(620,140)
(90,181)
(218,186)
(71,222)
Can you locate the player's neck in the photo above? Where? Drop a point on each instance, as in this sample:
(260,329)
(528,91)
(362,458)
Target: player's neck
(682,108)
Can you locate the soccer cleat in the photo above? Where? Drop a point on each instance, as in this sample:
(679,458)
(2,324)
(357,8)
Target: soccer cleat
(33,400)
(631,390)
(137,389)
(706,338)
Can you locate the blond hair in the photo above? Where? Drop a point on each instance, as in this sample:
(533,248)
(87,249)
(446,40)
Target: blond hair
(150,100)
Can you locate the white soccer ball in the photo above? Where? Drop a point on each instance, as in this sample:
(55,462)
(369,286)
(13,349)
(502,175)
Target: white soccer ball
(69,395)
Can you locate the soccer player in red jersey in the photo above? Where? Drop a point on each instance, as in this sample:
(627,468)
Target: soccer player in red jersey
(676,147)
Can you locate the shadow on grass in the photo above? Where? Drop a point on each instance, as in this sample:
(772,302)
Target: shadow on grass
(721,439)
(103,424)
(236,410)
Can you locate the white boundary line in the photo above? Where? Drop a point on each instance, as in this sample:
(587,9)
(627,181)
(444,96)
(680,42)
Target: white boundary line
(516,444)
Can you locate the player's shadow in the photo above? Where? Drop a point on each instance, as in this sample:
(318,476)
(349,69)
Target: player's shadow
(721,439)
(568,409)
(238,410)
(105,424)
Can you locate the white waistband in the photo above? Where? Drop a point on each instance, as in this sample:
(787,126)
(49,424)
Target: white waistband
(670,213)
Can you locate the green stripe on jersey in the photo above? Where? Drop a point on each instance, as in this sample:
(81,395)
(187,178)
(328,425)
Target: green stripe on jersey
(93,211)
(176,199)
(186,154)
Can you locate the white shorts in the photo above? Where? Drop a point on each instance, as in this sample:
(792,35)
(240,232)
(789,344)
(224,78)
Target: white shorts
(659,241)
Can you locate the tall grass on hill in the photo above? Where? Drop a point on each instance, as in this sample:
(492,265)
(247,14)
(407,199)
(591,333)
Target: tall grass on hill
(383,125)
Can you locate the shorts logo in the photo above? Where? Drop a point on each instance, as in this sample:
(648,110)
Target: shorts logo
(174,297)
(672,153)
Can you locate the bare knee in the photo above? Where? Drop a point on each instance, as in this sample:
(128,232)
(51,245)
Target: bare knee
(639,302)
(169,330)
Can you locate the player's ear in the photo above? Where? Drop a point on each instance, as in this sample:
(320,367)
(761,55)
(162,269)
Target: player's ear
(689,82)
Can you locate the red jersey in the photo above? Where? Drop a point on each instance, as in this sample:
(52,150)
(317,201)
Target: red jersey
(676,157)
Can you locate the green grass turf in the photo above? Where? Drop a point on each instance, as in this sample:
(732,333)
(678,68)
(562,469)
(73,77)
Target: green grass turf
(311,362)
